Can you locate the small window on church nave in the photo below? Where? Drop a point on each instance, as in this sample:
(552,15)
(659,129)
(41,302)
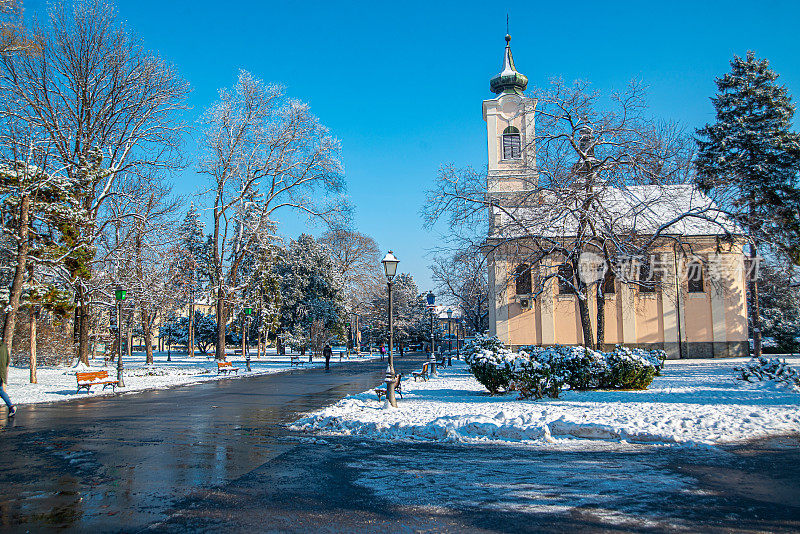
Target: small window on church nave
(512,145)
(523,281)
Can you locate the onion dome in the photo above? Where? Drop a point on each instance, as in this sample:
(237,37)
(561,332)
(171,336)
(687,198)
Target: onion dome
(509,80)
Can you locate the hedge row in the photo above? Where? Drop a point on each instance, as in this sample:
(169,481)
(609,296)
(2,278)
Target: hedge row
(537,372)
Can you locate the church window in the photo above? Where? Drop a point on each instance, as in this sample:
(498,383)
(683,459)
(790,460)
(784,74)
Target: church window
(649,275)
(694,275)
(609,283)
(523,279)
(512,147)
(566,279)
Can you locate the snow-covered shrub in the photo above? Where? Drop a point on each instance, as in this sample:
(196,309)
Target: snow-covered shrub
(583,369)
(632,368)
(490,362)
(536,379)
(773,369)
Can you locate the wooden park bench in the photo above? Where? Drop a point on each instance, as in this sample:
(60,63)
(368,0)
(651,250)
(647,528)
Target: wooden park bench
(296,360)
(226,367)
(442,363)
(381,390)
(421,374)
(94,378)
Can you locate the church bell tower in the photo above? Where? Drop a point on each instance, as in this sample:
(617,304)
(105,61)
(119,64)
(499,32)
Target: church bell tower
(510,130)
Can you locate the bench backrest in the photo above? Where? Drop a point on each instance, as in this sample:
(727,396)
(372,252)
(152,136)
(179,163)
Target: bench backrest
(224,364)
(90,376)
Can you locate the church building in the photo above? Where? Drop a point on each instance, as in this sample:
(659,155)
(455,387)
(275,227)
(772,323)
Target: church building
(696,310)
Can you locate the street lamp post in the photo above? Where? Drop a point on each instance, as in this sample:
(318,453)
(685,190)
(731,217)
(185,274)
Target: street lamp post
(449,337)
(431,298)
(390,268)
(248,311)
(119,294)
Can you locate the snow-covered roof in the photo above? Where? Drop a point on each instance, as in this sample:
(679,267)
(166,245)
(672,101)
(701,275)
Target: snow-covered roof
(641,209)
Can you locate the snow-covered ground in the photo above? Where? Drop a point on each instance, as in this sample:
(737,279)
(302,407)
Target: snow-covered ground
(693,402)
(59,383)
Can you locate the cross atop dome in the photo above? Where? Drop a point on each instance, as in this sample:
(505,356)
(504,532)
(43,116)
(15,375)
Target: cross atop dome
(510,80)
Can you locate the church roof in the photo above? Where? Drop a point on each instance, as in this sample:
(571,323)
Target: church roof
(638,209)
(510,80)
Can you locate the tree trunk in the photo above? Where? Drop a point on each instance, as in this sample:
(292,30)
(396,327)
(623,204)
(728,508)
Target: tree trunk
(19,272)
(148,337)
(33,347)
(129,342)
(601,316)
(221,319)
(82,326)
(190,345)
(755,311)
(582,295)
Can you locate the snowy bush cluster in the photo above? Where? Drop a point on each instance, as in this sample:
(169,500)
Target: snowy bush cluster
(493,365)
(537,372)
(772,369)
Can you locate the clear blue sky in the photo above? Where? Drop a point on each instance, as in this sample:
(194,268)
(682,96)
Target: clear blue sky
(401,83)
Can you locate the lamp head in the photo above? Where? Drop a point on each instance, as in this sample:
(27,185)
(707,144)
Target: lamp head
(449,312)
(248,311)
(390,265)
(119,293)
(431,298)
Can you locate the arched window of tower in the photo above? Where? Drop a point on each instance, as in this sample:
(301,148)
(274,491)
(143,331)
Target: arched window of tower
(512,146)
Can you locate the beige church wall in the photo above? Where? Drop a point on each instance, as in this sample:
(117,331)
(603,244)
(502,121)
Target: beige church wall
(522,325)
(697,311)
(613,321)
(566,319)
(649,320)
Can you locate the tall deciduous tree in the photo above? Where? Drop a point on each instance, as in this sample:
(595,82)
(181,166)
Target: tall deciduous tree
(104,106)
(356,259)
(749,160)
(262,152)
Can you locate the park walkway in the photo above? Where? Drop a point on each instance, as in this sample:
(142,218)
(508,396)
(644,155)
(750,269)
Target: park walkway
(123,460)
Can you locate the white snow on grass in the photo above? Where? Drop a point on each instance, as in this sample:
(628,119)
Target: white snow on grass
(694,402)
(59,383)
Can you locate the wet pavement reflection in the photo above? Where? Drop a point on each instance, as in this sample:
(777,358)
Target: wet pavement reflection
(119,462)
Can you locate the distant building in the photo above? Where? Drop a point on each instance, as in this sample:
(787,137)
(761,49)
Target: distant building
(697,308)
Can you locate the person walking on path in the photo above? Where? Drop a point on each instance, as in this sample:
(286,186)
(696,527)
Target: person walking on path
(4,362)
(383,351)
(327,352)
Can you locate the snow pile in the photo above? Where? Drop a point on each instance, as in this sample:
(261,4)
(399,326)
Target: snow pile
(58,383)
(693,402)
(769,369)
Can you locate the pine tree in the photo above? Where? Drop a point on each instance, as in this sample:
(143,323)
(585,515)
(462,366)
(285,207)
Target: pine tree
(313,306)
(749,158)
(192,257)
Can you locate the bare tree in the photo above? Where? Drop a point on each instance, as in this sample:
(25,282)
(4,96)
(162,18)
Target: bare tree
(140,249)
(262,153)
(105,105)
(462,280)
(356,258)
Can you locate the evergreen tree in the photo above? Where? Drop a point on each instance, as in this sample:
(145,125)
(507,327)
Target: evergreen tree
(313,307)
(192,257)
(749,159)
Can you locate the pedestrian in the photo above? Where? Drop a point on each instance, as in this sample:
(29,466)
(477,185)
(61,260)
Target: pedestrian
(4,362)
(327,352)
(383,351)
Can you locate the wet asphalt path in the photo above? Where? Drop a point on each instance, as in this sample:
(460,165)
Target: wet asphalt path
(122,461)
(217,457)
